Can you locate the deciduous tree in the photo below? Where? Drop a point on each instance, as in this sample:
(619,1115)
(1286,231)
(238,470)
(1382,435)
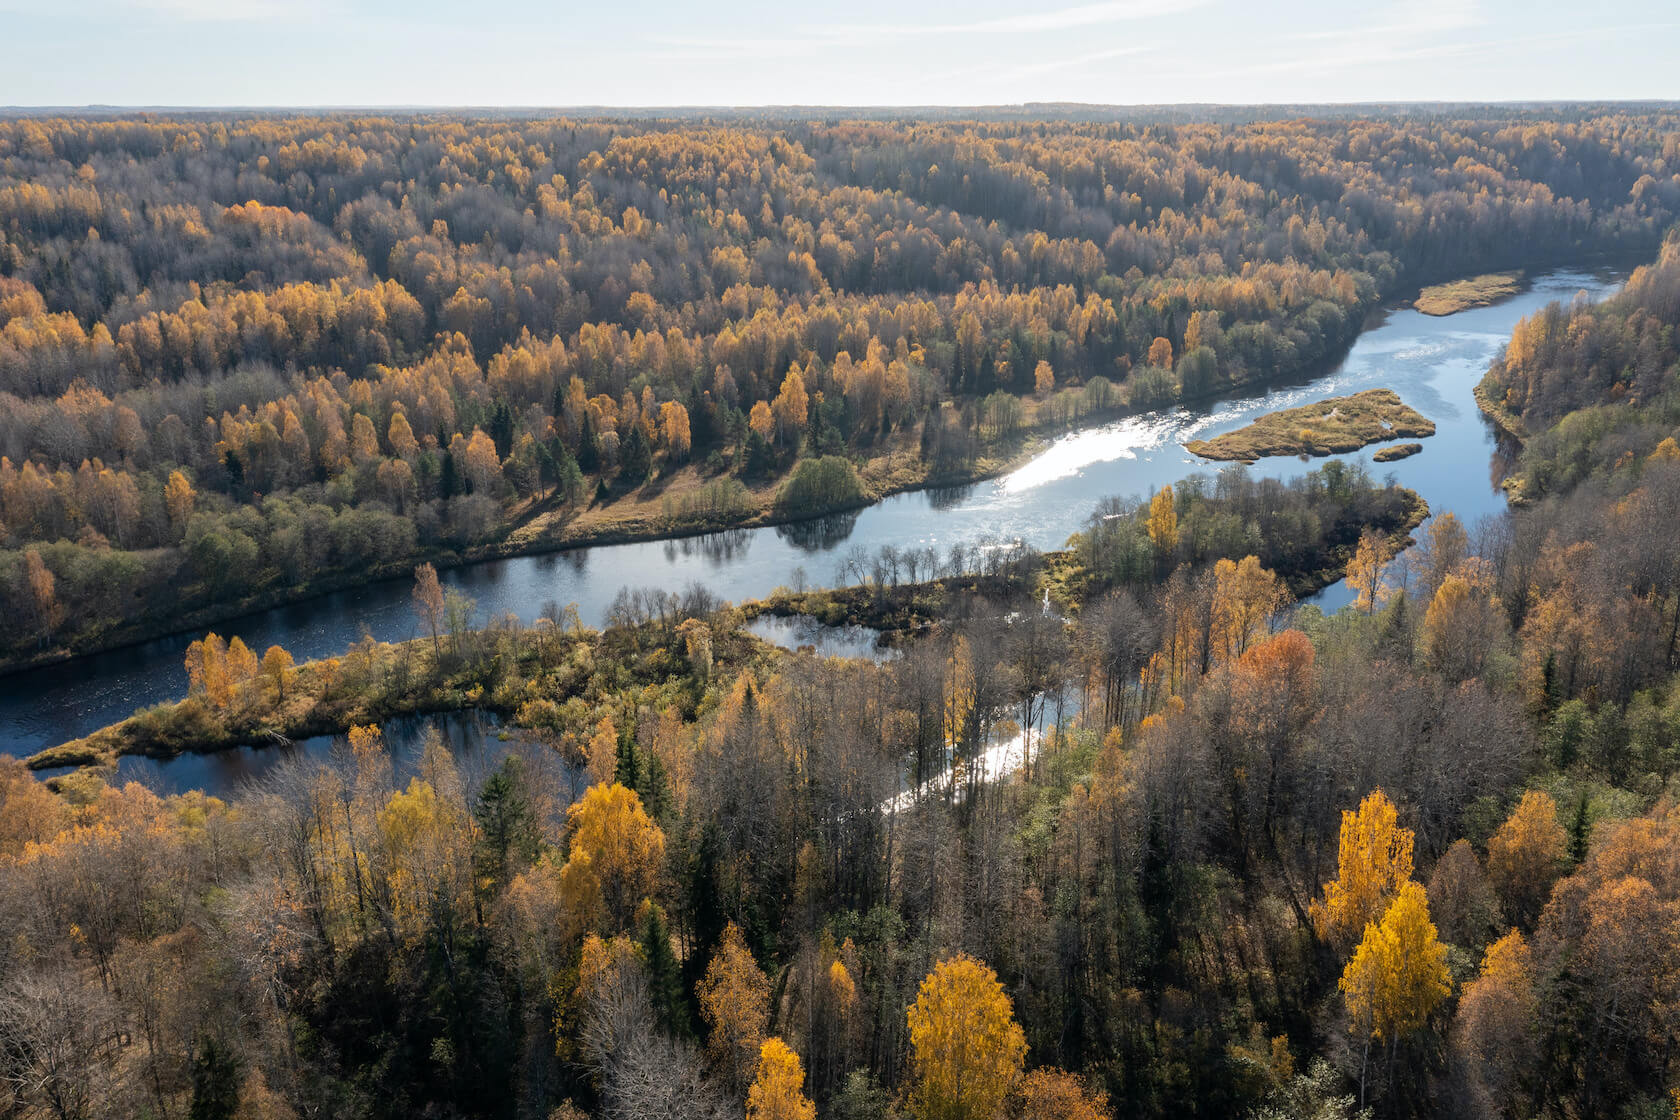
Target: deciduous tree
(1373,861)
(178,501)
(277,667)
(1053,1094)
(966,1049)
(1163,523)
(735,1002)
(614,858)
(1527,854)
(778,1090)
(1398,974)
(428,601)
(1364,571)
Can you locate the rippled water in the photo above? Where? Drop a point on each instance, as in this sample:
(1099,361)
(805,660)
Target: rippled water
(1432,362)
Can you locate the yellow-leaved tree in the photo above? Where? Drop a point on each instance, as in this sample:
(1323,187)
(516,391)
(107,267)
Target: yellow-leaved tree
(1044,379)
(959,691)
(778,1091)
(1245,600)
(614,858)
(277,667)
(1364,572)
(425,853)
(1053,1094)
(178,501)
(966,1048)
(207,670)
(1527,854)
(603,751)
(1163,523)
(735,1002)
(1398,975)
(1373,859)
(1496,1031)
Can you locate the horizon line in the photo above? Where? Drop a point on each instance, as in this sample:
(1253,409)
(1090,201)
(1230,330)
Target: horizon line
(820,107)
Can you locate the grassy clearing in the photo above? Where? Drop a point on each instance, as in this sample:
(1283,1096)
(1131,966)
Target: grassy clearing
(1461,295)
(1328,427)
(1397,452)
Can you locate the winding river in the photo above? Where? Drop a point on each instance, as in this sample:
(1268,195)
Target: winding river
(1433,363)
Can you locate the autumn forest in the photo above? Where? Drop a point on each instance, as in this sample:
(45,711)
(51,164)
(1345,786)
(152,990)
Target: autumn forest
(1134,826)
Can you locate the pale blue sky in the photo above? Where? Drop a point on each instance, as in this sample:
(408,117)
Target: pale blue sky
(872,52)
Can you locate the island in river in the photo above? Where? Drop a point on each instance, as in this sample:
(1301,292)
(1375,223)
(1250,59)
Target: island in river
(1329,427)
(558,679)
(1472,291)
(1395,452)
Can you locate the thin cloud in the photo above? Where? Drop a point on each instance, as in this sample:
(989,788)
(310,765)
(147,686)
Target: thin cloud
(1075,63)
(811,40)
(714,48)
(1063,19)
(175,11)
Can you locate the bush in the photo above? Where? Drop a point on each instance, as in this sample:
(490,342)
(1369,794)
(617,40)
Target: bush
(817,484)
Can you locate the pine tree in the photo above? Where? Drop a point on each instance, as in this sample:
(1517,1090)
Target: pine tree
(664,971)
(508,837)
(215,1082)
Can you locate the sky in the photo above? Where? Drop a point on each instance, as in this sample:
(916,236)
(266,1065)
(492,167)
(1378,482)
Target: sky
(870,52)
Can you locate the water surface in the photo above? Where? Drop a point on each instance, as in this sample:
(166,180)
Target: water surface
(1433,363)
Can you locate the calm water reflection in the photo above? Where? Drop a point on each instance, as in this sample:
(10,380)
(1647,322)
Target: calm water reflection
(475,739)
(1432,362)
(802,632)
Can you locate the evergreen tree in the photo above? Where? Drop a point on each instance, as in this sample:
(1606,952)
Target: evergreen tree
(501,428)
(634,456)
(628,772)
(664,971)
(215,1082)
(508,837)
(449,482)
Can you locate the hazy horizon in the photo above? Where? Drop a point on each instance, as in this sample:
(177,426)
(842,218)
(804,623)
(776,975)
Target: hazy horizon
(643,54)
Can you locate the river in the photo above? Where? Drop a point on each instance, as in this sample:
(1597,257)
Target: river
(1433,363)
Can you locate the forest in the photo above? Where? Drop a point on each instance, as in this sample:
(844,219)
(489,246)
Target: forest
(1121,829)
(243,361)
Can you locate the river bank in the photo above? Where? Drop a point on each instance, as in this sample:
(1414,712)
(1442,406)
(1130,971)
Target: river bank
(495,669)
(642,515)
(1048,492)
(634,518)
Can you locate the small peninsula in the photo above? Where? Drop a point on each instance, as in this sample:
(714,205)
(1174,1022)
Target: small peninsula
(1327,427)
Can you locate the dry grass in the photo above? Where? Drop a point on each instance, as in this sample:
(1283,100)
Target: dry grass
(1398,451)
(1328,427)
(1474,291)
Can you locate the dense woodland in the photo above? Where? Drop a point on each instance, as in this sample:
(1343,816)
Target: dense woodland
(1414,859)
(1417,858)
(241,360)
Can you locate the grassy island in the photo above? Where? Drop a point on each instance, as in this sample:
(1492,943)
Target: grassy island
(1473,291)
(1327,427)
(1396,452)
